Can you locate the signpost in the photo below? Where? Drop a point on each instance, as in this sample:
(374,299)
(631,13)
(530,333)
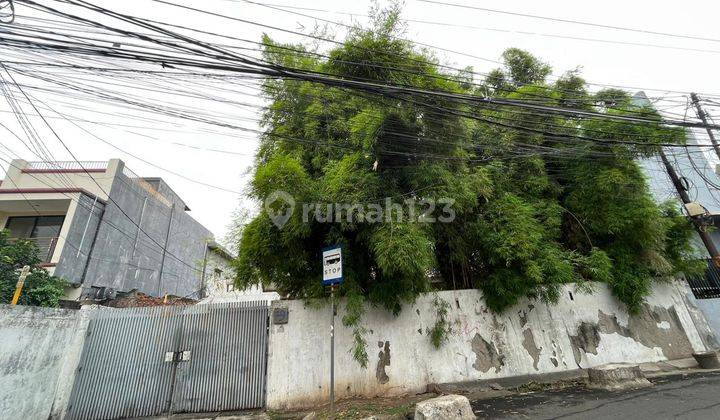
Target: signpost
(332,275)
(332,266)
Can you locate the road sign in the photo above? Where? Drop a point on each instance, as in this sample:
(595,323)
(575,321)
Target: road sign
(332,265)
(332,275)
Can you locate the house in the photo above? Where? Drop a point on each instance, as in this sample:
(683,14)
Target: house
(106,230)
(220,280)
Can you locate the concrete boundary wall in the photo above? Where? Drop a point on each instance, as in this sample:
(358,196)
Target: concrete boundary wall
(39,352)
(40,348)
(532,337)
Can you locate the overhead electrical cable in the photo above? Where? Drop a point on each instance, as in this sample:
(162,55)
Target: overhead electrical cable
(575,22)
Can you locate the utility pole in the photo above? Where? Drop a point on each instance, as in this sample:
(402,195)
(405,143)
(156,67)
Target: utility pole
(20,283)
(696,220)
(703,117)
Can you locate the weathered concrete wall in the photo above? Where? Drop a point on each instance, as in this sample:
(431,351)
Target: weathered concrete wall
(580,331)
(182,276)
(79,239)
(711,309)
(126,258)
(123,257)
(39,349)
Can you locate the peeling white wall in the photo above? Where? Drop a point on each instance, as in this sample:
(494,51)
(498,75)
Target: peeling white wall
(40,347)
(581,332)
(711,309)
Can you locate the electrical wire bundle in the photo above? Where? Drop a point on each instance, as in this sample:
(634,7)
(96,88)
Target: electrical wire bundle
(159,75)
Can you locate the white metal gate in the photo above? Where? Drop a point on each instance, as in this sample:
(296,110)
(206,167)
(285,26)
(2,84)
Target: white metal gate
(150,361)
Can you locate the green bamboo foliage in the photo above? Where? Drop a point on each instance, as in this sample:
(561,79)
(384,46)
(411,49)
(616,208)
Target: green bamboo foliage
(525,222)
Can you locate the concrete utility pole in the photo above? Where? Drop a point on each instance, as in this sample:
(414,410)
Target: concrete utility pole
(703,117)
(20,283)
(696,220)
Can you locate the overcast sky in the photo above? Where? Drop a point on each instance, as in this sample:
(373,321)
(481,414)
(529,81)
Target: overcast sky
(480,36)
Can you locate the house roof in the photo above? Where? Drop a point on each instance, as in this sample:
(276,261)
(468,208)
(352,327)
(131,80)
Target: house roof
(221,250)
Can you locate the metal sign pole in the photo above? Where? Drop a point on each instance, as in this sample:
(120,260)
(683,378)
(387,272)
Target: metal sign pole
(332,276)
(332,354)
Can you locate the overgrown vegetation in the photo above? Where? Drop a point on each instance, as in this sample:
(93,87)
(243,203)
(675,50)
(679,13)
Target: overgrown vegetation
(441,330)
(536,204)
(40,289)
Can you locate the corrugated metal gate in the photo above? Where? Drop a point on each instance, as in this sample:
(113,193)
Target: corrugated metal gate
(707,286)
(150,361)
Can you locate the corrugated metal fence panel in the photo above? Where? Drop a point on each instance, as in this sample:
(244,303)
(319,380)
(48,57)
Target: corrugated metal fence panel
(228,348)
(123,372)
(707,286)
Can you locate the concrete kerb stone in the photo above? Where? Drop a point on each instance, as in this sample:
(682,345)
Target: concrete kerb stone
(447,407)
(507,383)
(708,360)
(616,377)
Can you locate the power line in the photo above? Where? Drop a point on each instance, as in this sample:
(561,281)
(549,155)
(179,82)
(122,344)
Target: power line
(483,28)
(214,14)
(576,22)
(330,40)
(331,80)
(304,77)
(95,181)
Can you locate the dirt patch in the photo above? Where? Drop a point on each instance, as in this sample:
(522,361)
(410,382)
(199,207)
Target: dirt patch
(393,408)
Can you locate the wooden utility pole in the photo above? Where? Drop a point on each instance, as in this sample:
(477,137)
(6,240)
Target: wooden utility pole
(20,283)
(703,117)
(696,220)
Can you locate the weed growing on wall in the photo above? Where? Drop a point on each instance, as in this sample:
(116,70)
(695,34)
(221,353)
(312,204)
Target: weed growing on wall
(440,332)
(353,316)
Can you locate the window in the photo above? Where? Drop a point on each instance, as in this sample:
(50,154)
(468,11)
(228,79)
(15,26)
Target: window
(35,226)
(229,287)
(20,227)
(43,230)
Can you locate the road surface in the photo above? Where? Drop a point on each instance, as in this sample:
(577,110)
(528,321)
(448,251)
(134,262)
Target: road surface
(692,397)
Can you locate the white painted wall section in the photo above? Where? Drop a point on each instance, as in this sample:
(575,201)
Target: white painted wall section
(530,338)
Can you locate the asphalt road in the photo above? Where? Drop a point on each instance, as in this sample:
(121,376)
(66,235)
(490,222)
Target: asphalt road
(692,397)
